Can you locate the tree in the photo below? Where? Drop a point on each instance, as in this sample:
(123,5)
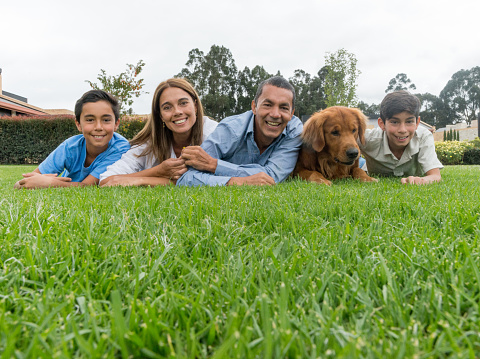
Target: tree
(371,111)
(433,110)
(462,95)
(214,77)
(124,86)
(310,94)
(400,82)
(341,78)
(248,81)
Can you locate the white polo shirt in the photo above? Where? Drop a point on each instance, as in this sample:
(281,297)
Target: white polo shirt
(418,158)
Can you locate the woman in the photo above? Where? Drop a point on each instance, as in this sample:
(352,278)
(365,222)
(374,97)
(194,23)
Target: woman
(176,122)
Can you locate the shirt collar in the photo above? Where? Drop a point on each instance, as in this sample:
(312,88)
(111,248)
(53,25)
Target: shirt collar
(251,123)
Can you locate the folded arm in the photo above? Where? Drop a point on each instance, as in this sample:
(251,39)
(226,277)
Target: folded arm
(35,179)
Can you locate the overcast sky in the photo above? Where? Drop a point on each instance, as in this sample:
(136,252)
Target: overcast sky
(49,48)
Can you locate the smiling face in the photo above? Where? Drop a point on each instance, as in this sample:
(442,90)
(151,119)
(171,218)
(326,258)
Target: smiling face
(400,129)
(97,124)
(178,111)
(272,111)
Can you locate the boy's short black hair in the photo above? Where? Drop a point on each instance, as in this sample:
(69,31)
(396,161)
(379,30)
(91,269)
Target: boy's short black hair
(397,102)
(277,81)
(95,96)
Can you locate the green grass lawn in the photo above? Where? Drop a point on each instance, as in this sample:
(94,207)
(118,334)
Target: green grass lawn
(296,270)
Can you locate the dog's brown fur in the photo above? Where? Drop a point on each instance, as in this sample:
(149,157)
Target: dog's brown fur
(330,148)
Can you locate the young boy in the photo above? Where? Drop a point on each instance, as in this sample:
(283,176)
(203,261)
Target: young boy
(82,158)
(399,147)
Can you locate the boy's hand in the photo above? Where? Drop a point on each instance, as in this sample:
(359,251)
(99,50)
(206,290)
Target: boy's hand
(36,180)
(196,157)
(418,180)
(431,176)
(413,180)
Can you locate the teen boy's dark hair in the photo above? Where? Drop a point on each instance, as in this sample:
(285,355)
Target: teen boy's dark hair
(277,81)
(95,96)
(397,102)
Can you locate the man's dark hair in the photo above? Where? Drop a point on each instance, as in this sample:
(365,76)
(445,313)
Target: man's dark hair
(95,96)
(398,102)
(277,81)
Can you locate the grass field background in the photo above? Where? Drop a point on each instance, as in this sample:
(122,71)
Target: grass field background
(296,270)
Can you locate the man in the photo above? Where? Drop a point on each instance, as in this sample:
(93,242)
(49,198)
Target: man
(258,147)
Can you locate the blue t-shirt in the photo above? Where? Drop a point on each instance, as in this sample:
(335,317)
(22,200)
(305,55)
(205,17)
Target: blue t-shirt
(70,156)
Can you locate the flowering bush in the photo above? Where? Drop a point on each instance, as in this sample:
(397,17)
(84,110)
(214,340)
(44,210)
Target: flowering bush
(131,125)
(451,152)
(476,142)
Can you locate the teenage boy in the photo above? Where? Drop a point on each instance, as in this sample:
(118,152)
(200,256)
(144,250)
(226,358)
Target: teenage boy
(82,158)
(258,147)
(399,147)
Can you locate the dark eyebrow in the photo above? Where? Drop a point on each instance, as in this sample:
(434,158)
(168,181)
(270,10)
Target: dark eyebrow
(280,105)
(396,118)
(180,99)
(104,115)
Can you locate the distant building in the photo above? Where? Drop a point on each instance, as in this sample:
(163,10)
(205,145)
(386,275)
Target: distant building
(466,133)
(14,105)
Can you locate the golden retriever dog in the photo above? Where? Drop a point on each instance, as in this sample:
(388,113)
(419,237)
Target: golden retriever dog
(329,150)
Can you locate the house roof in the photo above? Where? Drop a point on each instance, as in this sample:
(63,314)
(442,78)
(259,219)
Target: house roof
(22,109)
(10,103)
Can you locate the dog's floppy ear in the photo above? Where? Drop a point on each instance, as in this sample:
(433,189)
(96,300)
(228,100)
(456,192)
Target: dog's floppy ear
(313,131)
(362,124)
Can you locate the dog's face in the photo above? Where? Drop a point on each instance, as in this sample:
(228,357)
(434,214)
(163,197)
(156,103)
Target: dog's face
(335,131)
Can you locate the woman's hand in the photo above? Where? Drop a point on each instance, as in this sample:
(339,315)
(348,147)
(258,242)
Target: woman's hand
(173,168)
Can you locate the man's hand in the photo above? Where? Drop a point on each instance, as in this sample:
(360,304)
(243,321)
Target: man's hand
(196,157)
(259,179)
(36,180)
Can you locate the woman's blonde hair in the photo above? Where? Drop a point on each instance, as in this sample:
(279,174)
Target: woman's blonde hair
(159,137)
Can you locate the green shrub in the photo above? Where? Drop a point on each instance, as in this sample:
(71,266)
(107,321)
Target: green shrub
(471,156)
(131,125)
(451,152)
(29,140)
(476,142)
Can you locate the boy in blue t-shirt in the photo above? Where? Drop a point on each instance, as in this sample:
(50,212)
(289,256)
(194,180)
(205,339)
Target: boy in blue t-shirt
(81,159)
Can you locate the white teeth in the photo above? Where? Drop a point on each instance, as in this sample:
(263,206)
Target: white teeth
(179,122)
(273,124)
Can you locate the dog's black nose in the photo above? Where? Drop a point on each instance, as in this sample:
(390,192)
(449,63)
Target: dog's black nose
(352,153)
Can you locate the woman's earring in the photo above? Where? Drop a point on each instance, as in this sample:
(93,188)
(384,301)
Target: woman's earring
(163,124)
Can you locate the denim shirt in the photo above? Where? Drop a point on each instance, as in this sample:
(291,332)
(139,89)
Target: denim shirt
(233,144)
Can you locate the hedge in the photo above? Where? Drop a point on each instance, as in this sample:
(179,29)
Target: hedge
(29,140)
(458,152)
(471,156)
